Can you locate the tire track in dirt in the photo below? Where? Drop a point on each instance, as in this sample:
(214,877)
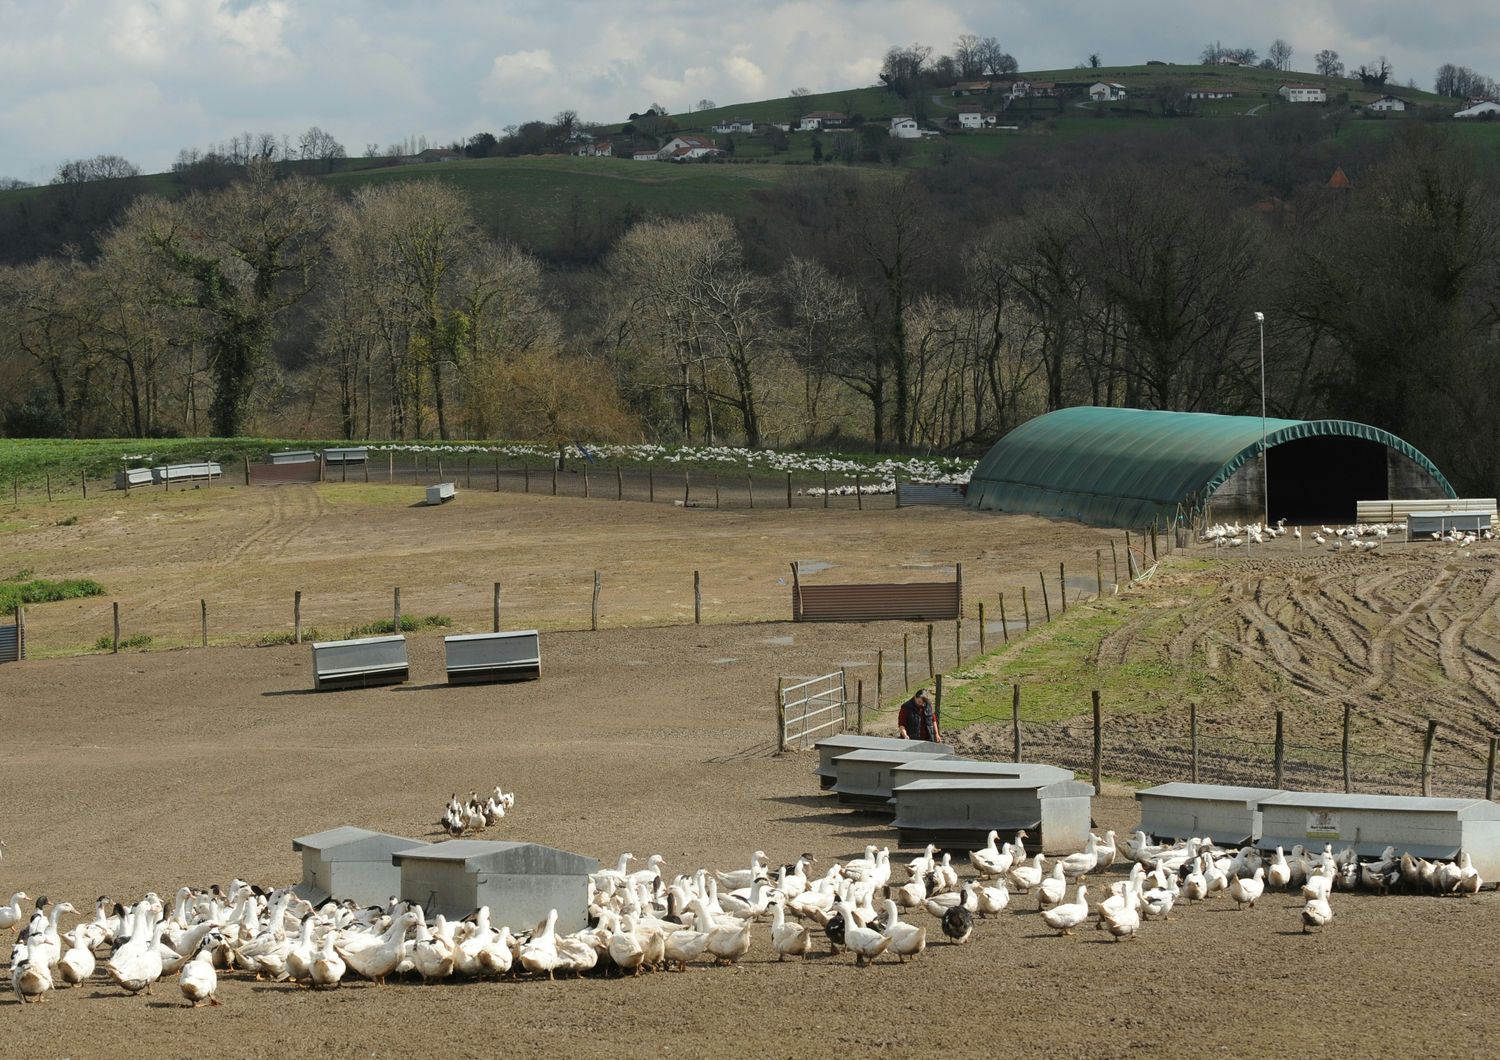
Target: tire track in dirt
(1454,648)
(1382,652)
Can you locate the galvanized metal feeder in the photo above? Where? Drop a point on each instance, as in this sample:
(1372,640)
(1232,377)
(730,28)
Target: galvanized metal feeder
(1224,813)
(863,778)
(349,862)
(830,747)
(520,882)
(960,813)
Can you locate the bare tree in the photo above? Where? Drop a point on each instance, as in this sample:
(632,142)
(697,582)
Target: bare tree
(100,167)
(1280,54)
(315,144)
(994,59)
(968,57)
(1327,63)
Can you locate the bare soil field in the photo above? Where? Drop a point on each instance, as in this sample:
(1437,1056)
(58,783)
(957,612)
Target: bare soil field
(247,550)
(142,771)
(148,770)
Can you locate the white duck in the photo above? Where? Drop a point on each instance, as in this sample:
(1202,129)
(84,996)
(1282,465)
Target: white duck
(1054,889)
(745,877)
(1280,874)
(992,899)
(77,964)
(136,965)
(199,982)
(751,902)
(865,943)
(432,955)
(991,862)
(1122,923)
(1247,890)
(540,953)
(727,943)
(625,948)
(300,957)
(1024,877)
(1316,913)
(685,945)
(11,915)
(30,980)
(906,940)
(377,957)
(788,939)
(1063,918)
(327,968)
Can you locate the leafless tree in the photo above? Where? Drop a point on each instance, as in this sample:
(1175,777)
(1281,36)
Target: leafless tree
(1280,54)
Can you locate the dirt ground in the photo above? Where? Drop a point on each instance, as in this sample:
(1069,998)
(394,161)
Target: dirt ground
(246,551)
(146,771)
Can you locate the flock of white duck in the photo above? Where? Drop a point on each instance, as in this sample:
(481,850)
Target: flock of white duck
(1361,537)
(639,920)
(475,815)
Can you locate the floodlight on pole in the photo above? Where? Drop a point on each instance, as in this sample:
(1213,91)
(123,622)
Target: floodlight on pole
(1265,468)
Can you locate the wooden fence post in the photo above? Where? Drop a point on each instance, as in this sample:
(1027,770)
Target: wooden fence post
(750,489)
(879,678)
(497,473)
(1489,773)
(1348,779)
(594,613)
(247,470)
(525,478)
(788,489)
(1098,744)
(825,488)
(697,598)
(21,654)
(116,609)
(937,702)
(651,482)
(83,481)
(585,481)
(366,466)
(1046,604)
(1026,609)
(1098,574)
(297,617)
(931,668)
(203,611)
(1114,559)
(958,642)
(716,491)
(497,607)
(1280,750)
(687,488)
(1062,586)
(1004,625)
(390,466)
(396,610)
(1427,743)
(981,627)
(859,708)
(780,716)
(905,663)
(1015,722)
(859,492)
(1193,741)
(619,483)
(554,478)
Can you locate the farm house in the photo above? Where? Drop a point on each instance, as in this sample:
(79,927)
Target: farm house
(1130,468)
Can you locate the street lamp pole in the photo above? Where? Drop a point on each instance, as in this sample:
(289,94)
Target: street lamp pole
(1265,469)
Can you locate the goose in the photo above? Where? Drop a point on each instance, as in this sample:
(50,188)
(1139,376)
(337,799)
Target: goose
(1280,874)
(77,964)
(1246,891)
(740,878)
(1316,913)
(790,939)
(1064,917)
(991,862)
(327,968)
(539,954)
(199,982)
(865,943)
(11,915)
(625,948)
(1447,877)
(991,900)
(1024,877)
(906,940)
(684,945)
(375,957)
(30,980)
(958,925)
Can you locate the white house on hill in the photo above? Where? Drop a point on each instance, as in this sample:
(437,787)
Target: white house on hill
(1387,103)
(821,119)
(735,125)
(1303,93)
(1481,109)
(1106,91)
(904,127)
(686,148)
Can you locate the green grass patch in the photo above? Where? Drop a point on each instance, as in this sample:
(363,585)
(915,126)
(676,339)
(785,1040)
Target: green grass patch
(107,642)
(21,589)
(1056,666)
(409,624)
(287,636)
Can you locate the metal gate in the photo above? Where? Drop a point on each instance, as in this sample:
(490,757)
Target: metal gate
(811,709)
(10,644)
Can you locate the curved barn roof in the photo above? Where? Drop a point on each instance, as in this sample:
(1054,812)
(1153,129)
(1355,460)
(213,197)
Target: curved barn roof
(1131,467)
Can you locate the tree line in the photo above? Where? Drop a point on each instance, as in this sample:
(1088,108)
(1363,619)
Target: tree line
(912,309)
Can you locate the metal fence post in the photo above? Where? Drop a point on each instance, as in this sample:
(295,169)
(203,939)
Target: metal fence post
(21,654)
(958,641)
(788,489)
(879,678)
(937,705)
(905,663)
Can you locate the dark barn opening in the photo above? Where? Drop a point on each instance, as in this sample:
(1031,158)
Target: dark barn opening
(1319,480)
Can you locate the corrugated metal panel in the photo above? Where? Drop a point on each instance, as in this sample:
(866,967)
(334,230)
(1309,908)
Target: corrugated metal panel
(1413,803)
(940,493)
(913,601)
(1439,522)
(1132,467)
(1216,792)
(275,474)
(10,644)
(1394,511)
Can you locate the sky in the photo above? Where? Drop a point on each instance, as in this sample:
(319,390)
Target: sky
(146,78)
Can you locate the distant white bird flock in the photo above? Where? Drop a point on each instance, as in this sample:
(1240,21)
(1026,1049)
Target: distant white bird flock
(640,921)
(1361,537)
